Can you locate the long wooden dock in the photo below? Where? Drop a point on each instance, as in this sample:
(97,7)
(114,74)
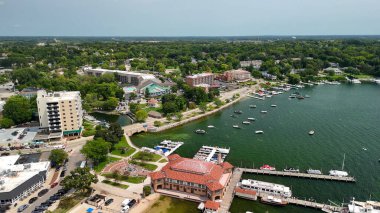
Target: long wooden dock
(229,194)
(299,175)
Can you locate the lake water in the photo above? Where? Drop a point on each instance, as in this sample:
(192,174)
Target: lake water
(123,120)
(346,119)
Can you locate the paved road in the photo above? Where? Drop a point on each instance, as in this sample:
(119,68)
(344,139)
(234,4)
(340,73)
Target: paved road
(75,158)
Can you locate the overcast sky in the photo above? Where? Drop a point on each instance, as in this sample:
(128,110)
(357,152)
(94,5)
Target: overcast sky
(188,17)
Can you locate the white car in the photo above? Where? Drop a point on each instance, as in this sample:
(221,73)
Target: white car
(125,209)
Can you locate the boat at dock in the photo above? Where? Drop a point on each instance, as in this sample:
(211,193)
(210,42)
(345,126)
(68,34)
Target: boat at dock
(314,171)
(291,169)
(200,131)
(167,147)
(339,173)
(251,119)
(359,207)
(212,154)
(246,122)
(266,187)
(252,106)
(267,167)
(259,132)
(270,200)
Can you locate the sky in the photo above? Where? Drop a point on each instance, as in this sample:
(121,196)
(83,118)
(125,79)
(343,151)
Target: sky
(188,17)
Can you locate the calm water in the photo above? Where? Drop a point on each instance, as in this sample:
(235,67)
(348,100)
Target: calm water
(346,119)
(123,120)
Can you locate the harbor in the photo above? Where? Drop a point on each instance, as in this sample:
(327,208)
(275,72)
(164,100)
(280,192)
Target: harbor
(212,154)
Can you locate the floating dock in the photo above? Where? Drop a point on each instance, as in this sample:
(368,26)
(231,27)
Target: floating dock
(211,154)
(167,147)
(299,175)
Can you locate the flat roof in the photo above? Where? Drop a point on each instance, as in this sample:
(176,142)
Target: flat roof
(17,135)
(199,75)
(143,75)
(58,96)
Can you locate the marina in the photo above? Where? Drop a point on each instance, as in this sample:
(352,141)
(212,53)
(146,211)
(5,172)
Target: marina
(167,147)
(212,154)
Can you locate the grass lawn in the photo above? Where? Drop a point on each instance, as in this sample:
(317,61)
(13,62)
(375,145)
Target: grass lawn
(146,156)
(66,203)
(100,166)
(122,186)
(362,76)
(123,145)
(129,179)
(148,166)
(163,160)
(89,129)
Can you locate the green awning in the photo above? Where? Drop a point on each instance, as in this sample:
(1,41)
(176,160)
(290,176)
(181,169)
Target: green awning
(77,131)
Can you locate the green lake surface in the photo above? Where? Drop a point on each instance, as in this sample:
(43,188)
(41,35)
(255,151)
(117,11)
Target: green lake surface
(123,120)
(346,119)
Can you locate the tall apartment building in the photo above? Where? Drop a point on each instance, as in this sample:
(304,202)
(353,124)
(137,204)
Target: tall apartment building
(236,75)
(60,112)
(200,79)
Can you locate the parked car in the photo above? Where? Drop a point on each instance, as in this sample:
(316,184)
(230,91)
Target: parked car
(132,203)
(42,192)
(62,174)
(32,200)
(54,184)
(22,208)
(109,201)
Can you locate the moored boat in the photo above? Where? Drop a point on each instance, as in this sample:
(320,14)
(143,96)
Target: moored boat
(246,122)
(252,106)
(236,126)
(300,97)
(311,132)
(291,169)
(238,112)
(314,171)
(266,187)
(200,131)
(273,105)
(251,119)
(270,200)
(267,167)
(210,126)
(368,206)
(263,111)
(259,132)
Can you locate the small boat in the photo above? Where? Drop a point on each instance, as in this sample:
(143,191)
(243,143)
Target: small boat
(273,105)
(311,132)
(267,167)
(291,169)
(259,132)
(238,112)
(339,173)
(307,96)
(365,149)
(200,131)
(300,97)
(246,122)
(314,171)
(236,126)
(292,96)
(234,116)
(264,111)
(252,106)
(210,126)
(251,119)
(270,200)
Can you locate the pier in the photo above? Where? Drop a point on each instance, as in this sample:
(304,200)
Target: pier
(298,175)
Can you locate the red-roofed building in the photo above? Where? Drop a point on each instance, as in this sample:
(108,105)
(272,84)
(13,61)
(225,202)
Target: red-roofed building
(194,177)
(211,206)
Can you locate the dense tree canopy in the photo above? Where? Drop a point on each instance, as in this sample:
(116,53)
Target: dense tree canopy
(18,109)
(58,156)
(79,179)
(96,150)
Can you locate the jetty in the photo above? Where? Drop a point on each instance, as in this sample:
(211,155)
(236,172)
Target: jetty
(298,175)
(212,154)
(167,147)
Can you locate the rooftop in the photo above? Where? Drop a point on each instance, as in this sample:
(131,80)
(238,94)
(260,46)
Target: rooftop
(143,75)
(199,75)
(58,96)
(17,135)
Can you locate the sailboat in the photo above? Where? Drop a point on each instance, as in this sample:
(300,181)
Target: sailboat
(339,173)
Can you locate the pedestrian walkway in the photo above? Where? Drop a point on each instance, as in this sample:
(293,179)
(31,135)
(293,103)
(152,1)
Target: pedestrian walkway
(229,194)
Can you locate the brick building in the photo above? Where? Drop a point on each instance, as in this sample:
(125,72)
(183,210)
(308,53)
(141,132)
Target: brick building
(200,79)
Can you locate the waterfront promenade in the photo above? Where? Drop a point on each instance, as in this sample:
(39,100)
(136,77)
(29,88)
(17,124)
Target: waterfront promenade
(299,175)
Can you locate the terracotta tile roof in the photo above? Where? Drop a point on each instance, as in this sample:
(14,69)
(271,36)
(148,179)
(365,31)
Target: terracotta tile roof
(191,170)
(227,165)
(245,191)
(152,101)
(212,205)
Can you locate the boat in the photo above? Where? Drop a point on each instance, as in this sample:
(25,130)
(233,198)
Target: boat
(267,167)
(339,173)
(238,112)
(246,122)
(365,149)
(252,106)
(356,81)
(311,132)
(212,154)
(210,126)
(292,96)
(200,131)
(291,169)
(307,96)
(377,81)
(368,206)
(314,171)
(300,97)
(236,126)
(259,132)
(266,187)
(273,105)
(273,201)
(264,111)
(251,119)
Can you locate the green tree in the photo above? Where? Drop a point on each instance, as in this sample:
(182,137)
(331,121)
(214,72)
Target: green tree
(110,104)
(96,150)
(134,107)
(115,129)
(58,156)
(79,179)
(132,96)
(218,102)
(294,78)
(6,123)
(203,106)
(18,109)
(157,123)
(141,115)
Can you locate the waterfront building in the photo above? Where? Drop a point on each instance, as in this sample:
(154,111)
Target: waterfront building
(198,179)
(124,77)
(268,76)
(60,112)
(334,70)
(236,75)
(201,79)
(17,181)
(154,89)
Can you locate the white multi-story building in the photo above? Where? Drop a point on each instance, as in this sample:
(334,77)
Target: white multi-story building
(60,112)
(18,181)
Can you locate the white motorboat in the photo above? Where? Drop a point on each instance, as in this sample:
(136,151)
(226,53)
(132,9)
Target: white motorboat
(210,126)
(339,173)
(259,132)
(377,81)
(361,207)
(246,122)
(314,171)
(266,187)
(251,119)
(236,126)
(263,111)
(311,132)
(200,131)
(252,106)
(291,169)
(273,105)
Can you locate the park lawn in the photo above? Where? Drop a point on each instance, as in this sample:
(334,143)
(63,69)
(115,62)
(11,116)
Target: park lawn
(362,76)
(148,166)
(123,144)
(101,165)
(163,160)
(68,202)
(129,179)
(146,156)
(119,185)
(89,129)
